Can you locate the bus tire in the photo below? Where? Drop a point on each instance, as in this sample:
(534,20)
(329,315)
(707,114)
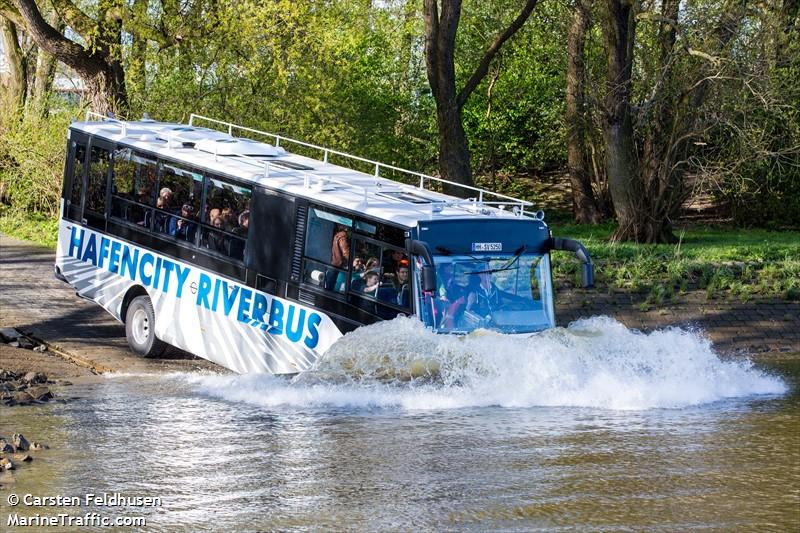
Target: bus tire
(140,321)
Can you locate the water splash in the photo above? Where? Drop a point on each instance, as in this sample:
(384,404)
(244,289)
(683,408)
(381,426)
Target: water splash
(596,362)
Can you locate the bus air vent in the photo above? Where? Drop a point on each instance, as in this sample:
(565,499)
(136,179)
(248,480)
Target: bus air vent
(291,165)
(406,196)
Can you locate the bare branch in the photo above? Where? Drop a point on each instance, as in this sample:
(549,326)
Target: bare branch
(483,66)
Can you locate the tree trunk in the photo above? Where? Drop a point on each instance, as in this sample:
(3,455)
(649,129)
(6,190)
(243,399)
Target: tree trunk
(584,204)
(454,163)
(440,39)
(17,80)
(45,70)
(627,193)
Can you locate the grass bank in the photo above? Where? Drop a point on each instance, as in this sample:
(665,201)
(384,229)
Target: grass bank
(724,262)
(34,227)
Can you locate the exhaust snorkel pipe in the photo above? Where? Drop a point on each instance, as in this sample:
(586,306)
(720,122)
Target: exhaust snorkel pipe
(571,245)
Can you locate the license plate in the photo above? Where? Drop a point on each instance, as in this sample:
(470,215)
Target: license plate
(487,246)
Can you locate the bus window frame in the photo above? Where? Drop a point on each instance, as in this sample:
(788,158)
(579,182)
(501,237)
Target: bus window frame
(345,296)
(71,211)
(147,207)
(162,162)
(95,218)
(384,247)
(207,177)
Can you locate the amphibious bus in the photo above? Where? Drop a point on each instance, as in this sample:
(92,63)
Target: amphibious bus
(214,238)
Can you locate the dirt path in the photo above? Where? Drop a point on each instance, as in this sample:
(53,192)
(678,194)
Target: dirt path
(36,303)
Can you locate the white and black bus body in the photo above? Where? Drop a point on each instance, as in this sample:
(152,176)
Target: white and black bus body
(222,246)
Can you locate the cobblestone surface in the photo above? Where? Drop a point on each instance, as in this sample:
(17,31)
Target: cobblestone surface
(34,301)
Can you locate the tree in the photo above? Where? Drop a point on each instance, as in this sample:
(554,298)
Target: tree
(98,61)
(584,205)
(440,39)
(649,144)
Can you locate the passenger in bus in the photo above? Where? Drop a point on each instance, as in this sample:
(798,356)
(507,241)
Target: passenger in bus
(160,223)
(391,261)
(459,295)
(340,257)
(371,284)
(182,227)
(372,264)
(401,284)
(216,240)
(228,217)
(358,267)
(237,245)
(167,194)
(212,214)
(445,281)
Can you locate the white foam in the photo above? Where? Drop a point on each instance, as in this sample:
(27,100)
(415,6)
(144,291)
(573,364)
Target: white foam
(595,362)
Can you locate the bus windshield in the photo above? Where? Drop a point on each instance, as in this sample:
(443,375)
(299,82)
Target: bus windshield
(509,293)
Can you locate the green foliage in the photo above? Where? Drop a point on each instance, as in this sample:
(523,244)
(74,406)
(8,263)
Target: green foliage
(32,159)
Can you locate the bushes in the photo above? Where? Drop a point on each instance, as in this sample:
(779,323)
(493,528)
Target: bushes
(31,169)
(32,160)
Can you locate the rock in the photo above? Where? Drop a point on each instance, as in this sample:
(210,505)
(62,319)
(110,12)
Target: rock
(19,398)
(41,394)
(22,457)
(6,464)
(26,343)
(7,375)
(34,377)
(14,344)
(20,442)
(36,446)
(9,334)
(6,447)
(41,348)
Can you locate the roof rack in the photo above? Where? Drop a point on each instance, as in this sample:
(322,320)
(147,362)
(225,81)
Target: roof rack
(326,152)
(475,204)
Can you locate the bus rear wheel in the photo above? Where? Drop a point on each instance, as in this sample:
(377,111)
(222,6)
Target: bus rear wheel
(140,321)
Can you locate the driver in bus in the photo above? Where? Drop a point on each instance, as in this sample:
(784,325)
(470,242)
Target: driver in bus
(484,298)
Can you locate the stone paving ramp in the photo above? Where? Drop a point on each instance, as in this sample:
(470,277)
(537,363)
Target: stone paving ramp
(758,325)
(36,303)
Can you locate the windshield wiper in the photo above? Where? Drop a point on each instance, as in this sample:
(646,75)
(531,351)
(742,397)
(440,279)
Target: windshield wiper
(508,266)
(447,252)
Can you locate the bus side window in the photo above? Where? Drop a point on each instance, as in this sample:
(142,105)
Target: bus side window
(99,163)
(133,180)
(327,250)
(178,202)
(79,156)
(226,218)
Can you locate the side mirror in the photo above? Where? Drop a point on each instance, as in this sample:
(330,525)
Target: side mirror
(428,278)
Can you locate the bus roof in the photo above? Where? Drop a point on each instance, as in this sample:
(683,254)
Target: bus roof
(272,167)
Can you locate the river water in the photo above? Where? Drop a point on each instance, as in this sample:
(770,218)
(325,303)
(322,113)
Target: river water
(592,428)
